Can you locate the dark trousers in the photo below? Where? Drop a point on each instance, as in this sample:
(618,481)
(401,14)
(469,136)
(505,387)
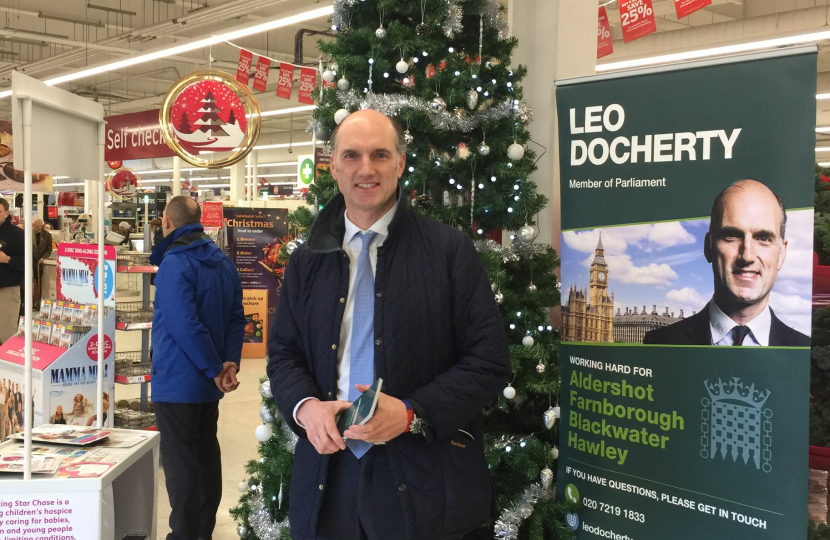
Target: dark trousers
(192,465)
(361,501)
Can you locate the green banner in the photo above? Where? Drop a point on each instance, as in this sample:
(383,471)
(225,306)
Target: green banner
(687,241)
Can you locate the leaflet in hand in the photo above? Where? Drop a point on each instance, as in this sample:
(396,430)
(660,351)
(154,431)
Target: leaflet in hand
(362,409)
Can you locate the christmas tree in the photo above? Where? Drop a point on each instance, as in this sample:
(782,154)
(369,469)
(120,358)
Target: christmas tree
(184,124)
(210,121)
(442,68)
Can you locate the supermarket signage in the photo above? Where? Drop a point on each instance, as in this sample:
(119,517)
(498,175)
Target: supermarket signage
(212,214)
(685,8)
(135,136)
(636,19)
(77,264)
(662,434)
(605,45)
(305,170)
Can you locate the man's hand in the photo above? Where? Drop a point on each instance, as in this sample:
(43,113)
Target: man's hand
(226,380)
(4,259)
(388,422)
(318,419)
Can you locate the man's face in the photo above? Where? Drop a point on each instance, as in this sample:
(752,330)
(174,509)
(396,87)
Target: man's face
(746,250)
(3,213)
(367,166)
(37,225)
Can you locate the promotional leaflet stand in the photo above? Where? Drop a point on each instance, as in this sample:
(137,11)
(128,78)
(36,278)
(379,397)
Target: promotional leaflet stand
(63,133)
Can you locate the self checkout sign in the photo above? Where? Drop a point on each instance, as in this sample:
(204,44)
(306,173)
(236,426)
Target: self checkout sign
(636,19)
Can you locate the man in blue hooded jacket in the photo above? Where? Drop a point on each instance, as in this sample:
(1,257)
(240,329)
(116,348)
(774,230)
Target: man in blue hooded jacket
(198,327)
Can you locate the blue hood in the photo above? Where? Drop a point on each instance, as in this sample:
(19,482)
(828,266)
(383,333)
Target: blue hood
(193,241)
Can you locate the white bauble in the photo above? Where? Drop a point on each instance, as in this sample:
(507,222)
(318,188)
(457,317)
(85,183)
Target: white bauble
(483,149)
(509,392)
(343,83)
(328,75)
(554,452)
(557,411)
(242,487)
(340,115)
(527,341)
(402,66)
(526,234)
(515,151)
(263,432)
(380,33)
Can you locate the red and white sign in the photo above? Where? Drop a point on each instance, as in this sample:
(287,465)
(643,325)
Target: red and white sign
(135,136)
(52,211)
(687,7)
(604,43)
(212,214)
(285,81)
(77,269)
(243,69)
(263,66)
(636,19)
(308,78)
(92,348)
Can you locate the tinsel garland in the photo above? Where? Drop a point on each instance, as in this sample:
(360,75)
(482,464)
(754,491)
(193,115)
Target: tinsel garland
(260,519)
(511,253)
(507,527)
(504,441)
(291,438)
(451,23)
(391,104)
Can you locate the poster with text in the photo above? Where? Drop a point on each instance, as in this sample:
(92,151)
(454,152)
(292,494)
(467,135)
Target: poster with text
(255,237)
(687,239)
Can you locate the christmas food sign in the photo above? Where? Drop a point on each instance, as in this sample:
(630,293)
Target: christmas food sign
(636,19)
(123,184)
(210,112)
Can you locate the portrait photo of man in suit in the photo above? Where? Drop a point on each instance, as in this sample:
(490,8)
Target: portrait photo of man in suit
(747,247)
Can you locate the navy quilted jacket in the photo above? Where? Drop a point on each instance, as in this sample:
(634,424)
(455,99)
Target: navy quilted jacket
(441,345)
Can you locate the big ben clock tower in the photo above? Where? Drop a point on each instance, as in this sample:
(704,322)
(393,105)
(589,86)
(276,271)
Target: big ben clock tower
(589,314)
(599,277)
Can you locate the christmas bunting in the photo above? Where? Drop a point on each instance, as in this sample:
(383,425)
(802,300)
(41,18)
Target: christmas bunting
(285,80)
(636,19)
(308,77)
(687,7)
(263,66)
(604,44)
(243,69)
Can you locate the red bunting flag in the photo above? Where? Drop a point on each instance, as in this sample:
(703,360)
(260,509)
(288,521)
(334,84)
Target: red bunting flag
(243,69)
(263,66)
(636,19)
(685,8)
(308,78)
(604,43)
(285,80)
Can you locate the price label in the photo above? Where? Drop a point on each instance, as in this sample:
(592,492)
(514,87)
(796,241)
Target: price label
(285,80)
(243,69)
(308,78)
(263,66)
(636,19)
(685,8)
(604,43)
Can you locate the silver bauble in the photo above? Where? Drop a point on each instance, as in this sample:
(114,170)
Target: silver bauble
(494,287)
(264,411)
(291,246)
(509,392)
(263,432)
(422,29)
(556,411)
(343,84)
(438,104)
(402,66)
(546,477)
(549,418)
(525,234)
(340,115)
(328,75)
(322,134)
(527,341)
(265,390)
(483,149)
(242,487)
(499,297)
(554,452)
(472,98)
(515,151)
(531,289)
(268,418)
(540,367)
(407,136)
(242,531)
(380,33)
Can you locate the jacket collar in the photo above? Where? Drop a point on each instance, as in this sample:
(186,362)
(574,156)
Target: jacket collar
(326,234)
(160,249)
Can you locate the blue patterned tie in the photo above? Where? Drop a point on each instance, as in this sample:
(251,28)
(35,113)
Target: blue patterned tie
(362,362)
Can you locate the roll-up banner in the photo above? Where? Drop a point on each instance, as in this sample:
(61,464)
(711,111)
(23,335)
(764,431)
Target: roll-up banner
(687,218)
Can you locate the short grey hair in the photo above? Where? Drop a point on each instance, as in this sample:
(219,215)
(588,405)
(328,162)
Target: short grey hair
(400,136)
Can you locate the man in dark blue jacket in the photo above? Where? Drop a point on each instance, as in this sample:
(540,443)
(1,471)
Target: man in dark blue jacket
(378,291)
(198,326)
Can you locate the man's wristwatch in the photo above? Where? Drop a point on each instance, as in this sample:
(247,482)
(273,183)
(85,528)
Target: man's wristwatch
(414,424)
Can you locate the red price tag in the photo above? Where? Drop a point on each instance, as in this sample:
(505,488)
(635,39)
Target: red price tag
(604,43)
(285,80)
(685,8)
(263,66)
(636,19)
(308,77)
(243,69)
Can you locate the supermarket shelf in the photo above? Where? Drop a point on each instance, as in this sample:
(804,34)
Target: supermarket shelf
(134,379)
(133,326)
(138,269)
